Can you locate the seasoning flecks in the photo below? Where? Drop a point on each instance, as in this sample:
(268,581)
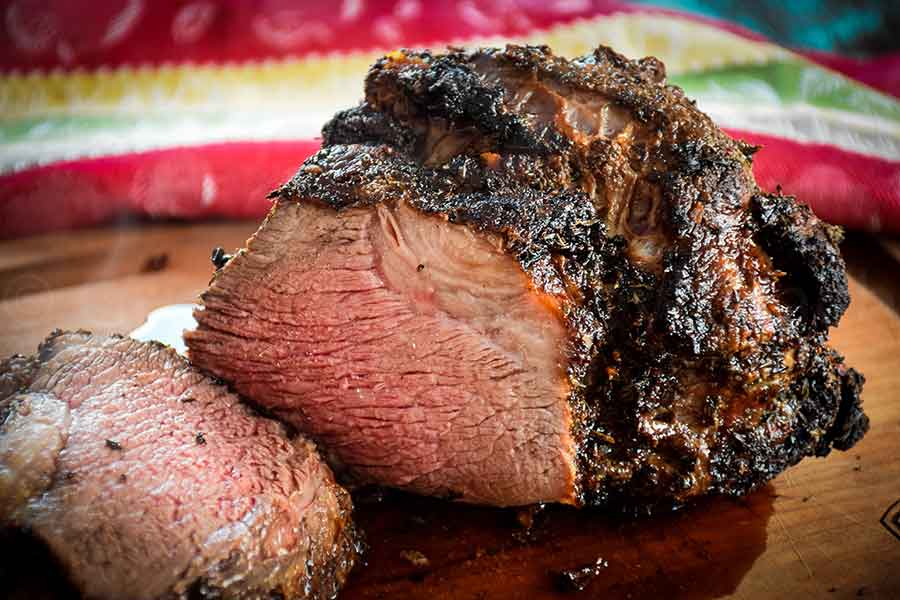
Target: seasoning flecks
(415,558)
(219,257)
(576,580)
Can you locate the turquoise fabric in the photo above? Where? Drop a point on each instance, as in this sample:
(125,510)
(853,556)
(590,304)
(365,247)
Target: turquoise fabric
(855,27)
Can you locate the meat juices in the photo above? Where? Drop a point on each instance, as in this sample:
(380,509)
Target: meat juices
(511,278)
(148,480)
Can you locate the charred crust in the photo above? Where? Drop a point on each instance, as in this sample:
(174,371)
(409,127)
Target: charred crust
(705,194)
(815,281)
(447,87)
(47,347)
(16,374)
(818,410)
(747,149)
(363,124)
(851,423)
(219,258)
(683,382)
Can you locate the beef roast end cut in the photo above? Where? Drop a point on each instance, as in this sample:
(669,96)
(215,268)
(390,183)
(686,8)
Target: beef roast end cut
(145,479)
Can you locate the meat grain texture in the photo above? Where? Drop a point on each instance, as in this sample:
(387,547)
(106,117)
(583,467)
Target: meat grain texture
(146,479)
(511,278)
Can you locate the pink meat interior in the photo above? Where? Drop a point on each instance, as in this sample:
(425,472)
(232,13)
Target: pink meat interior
(416,351)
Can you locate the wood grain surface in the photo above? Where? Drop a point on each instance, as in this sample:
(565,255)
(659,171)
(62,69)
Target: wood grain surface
(823,529)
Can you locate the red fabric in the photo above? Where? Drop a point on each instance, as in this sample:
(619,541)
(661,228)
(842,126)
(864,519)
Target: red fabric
(49,34)
(219,180)
(232,180)
(856,191)
(57,34)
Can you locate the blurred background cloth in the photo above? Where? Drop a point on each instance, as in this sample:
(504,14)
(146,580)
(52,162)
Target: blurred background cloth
(112,109)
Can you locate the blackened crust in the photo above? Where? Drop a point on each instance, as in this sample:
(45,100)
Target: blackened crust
(806,249)
(697,305)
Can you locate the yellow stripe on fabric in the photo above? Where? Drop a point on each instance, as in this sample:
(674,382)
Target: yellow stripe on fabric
(183,87)
(684,45)
(318,82)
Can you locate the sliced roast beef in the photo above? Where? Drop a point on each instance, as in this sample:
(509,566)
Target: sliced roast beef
(146,479)
(512,278)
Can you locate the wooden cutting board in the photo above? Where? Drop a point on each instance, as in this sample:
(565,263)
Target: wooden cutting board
(828,528)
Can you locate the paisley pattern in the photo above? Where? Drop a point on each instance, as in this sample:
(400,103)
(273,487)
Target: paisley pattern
(83,84)
(60,29)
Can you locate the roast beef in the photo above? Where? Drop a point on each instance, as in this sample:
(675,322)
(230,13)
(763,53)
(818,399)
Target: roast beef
(146,479)
(512,278)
